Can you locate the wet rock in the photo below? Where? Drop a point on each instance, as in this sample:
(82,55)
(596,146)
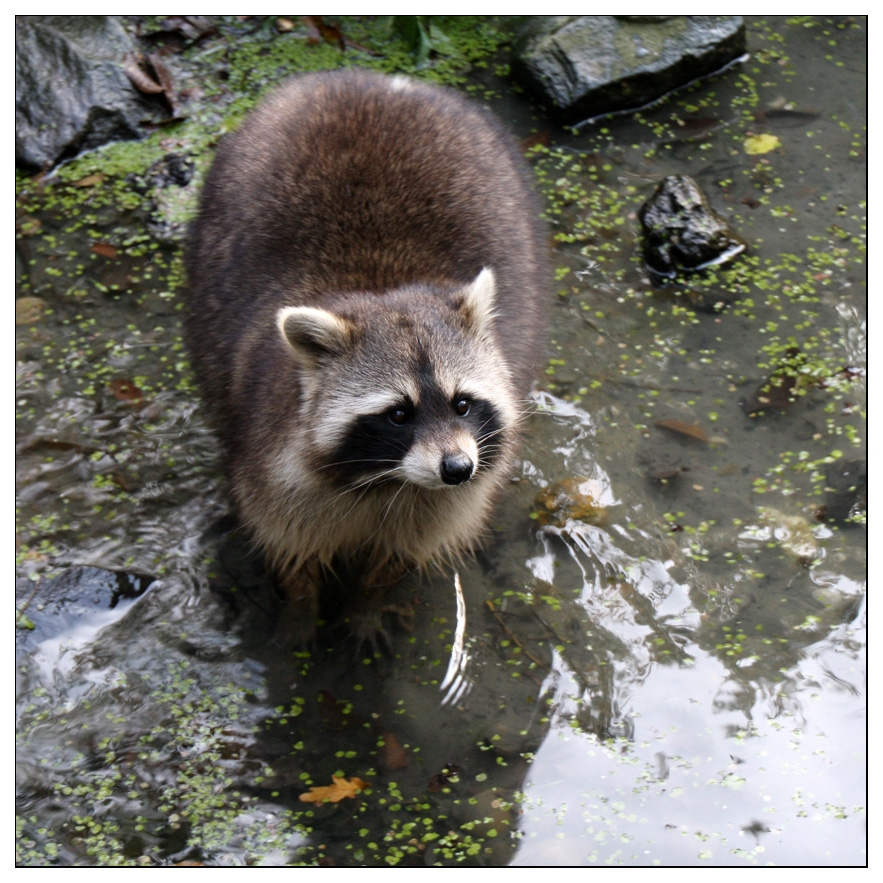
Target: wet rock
(793,534)
(582,66)
(682,232)
(171,193)
(71,91)
(846,488)
(574,499)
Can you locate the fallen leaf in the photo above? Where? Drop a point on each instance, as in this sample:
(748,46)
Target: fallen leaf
(148,74)
(699,125)
(787,116)
(139,78)
(126,391)
(538,139)
(755,144)
(29,310)
(691,430)
(394,756)
(89,180)
(329,33)
(105,249)
(334,793)
(35,441)
(25,225)
(164,78)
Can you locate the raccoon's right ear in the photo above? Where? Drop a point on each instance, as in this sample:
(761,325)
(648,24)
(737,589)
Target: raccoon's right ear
(314,333)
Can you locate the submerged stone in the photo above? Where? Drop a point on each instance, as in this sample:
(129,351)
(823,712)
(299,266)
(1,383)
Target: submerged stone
(573,499)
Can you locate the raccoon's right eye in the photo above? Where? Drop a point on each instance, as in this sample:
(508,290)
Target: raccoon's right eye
(398,416)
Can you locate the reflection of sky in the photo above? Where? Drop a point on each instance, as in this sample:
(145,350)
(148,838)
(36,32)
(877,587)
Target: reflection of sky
(706,783)
(59,654)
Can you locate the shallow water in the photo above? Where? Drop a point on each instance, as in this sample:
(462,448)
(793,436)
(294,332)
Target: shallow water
(674,674)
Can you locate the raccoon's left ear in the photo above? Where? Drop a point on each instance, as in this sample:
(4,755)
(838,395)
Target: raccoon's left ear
(477,306)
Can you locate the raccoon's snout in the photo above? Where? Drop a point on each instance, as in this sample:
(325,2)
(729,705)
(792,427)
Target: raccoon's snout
(456,468)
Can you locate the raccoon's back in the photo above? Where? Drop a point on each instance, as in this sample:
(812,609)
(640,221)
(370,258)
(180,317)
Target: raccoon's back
(350,181)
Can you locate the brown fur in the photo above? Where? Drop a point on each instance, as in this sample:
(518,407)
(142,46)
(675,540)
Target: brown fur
(338,190)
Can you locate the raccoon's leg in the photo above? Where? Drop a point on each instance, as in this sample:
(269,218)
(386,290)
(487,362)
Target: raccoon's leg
(300,605)
(365,612)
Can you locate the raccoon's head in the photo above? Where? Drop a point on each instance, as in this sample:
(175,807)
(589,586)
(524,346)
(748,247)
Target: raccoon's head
(407,387)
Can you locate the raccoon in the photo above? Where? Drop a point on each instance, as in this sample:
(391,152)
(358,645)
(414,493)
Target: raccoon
(366,303)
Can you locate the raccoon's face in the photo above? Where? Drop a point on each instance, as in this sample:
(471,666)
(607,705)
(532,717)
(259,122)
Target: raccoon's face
(405,388)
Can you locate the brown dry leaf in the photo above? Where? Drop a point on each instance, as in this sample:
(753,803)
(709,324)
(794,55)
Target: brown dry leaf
(394,756)
(334,793)
(327,32)
(163,76)
(538,139)
(126,391)
(139,78)
(319,30)
(105,249)
(29,310)
(26,225)
(697,127)
(691,430)
(89,180)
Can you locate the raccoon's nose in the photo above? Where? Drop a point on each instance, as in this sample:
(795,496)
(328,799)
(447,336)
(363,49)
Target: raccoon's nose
(456,468)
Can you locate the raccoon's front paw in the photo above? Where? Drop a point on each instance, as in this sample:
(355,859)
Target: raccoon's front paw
(370,627)
(292,634)
(367,633)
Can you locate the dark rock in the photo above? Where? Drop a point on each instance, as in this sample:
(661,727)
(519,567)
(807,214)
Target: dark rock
(583,66)
(682,232)
(846,489)
(173,170)
(71,92)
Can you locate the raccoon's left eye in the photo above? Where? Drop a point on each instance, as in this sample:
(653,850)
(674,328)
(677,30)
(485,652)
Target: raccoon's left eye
(461,406)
